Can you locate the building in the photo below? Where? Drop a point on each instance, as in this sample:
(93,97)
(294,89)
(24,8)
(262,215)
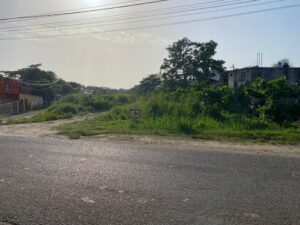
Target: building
(30,102)
(9,90)
(9,96)
(15,97)
(240,77)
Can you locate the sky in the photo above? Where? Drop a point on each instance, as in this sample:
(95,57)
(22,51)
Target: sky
(117,56)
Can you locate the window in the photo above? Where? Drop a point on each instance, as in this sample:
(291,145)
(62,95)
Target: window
(7,87)
(243,77)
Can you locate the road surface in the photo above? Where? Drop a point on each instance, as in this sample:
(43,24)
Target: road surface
(63,182)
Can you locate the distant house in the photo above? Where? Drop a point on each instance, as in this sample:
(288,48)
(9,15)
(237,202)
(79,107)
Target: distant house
(15,97)
(9,90)
(240,77)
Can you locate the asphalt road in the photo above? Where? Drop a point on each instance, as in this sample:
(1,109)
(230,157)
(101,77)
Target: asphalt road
(61,182)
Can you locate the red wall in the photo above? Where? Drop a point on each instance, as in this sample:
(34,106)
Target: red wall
(9,86)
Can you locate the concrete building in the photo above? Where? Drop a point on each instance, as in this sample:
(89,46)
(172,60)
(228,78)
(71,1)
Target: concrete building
(240,77)
(9,90)
(30,102)
(15,97)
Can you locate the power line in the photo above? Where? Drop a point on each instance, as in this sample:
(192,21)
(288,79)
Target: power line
(140,13)
(147,15)
(162,25)
(42,88)
(80,11)
(93,7)
(84,8)
(154,16)
(209,18)
(39,84)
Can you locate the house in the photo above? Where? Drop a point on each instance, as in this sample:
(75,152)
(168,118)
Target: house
(30,102)
(240,77)
(9,90)
(9,96)
(15,97)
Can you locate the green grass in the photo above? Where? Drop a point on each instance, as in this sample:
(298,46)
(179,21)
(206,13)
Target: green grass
(41,116)
(234,128)
(159,116)
(75,104)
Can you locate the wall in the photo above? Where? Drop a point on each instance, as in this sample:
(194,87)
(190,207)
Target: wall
(239,77)
(5,98)
(31,101)
(9,86)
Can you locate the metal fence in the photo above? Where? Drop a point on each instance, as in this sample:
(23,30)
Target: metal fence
(10,108)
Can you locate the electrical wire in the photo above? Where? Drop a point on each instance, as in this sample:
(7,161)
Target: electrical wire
(83,8)
(230,3)
(158,25)
(138,14)
(72,26)
(132,13)
(39,85)
(93,7)
(38,16)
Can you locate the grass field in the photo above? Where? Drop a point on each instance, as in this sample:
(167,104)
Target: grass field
(238,129)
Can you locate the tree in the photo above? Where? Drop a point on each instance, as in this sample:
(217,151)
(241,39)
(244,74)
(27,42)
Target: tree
(190,62)
(283,62)
(275,99)
(149,84)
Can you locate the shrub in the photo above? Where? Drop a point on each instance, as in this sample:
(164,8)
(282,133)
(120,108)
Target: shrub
(185,127)
(64,108)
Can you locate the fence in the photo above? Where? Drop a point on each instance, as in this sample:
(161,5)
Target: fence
(10,108)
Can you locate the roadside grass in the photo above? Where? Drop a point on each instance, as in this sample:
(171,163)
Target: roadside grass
(41,116)
(233,128)
(161,117)
(75,104)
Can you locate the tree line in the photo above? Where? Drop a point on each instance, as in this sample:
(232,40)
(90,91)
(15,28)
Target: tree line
(188,74)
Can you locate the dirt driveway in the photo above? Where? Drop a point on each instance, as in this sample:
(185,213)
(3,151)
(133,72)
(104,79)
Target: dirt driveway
(44,129)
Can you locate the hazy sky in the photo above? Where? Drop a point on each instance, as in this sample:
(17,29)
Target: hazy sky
(122,59)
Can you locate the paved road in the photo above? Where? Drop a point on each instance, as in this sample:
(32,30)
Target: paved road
(61,182)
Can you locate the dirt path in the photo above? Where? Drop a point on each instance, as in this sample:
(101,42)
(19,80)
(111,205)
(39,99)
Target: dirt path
(46,130)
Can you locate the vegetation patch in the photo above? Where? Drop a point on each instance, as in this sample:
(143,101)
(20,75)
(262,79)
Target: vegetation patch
(76,104)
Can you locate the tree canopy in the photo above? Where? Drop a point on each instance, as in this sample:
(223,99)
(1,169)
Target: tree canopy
(149,84)
(190,62)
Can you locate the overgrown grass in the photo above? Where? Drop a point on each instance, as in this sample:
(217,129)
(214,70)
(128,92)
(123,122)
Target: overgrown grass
(176,114)
(41,116)
(231,128)
(75,104)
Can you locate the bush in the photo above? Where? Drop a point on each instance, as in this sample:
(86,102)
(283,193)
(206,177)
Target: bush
(185,127)
(64,108)
(276,100)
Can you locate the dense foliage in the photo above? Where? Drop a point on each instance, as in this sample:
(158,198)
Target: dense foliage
(276,100)
(185,88)
(189,62)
